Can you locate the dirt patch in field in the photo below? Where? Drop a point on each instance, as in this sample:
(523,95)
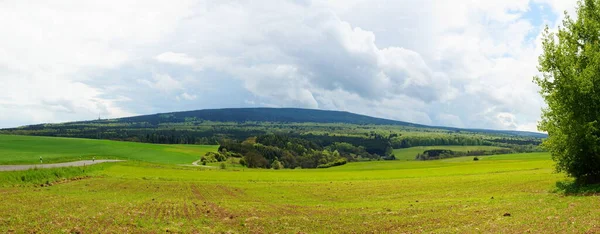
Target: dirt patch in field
(64,181)
(212,209)
(197,193)
(593,230)
(291,210)
(235,193)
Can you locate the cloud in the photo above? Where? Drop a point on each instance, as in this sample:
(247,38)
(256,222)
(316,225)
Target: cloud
(186,96)
(457,63)
(175,58)
(51,50)
(449,120)
(162,82)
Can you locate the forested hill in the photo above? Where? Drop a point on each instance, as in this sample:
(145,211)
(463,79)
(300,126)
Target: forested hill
(278,115)
(243,115)
(292,115)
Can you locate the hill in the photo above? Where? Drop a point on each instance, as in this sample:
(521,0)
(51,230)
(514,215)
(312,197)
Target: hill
(272,115)
(321,127)
(263,114)
(294,115)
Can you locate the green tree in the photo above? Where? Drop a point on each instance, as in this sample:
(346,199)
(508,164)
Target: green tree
(570,85)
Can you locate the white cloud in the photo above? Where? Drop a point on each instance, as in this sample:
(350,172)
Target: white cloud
(175,58)
(450,120)
(457,63)
(186,96)
(50,49)
(162,82)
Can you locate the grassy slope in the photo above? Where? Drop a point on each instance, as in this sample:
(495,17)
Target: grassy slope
(455,195)
(443,196)
(408,154)
(28,149)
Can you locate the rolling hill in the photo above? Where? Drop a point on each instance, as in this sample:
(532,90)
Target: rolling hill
(273,115)
(321,127)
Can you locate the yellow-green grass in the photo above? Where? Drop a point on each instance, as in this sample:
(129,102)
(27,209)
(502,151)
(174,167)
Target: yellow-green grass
(444,196)
(407,154)
(29,149)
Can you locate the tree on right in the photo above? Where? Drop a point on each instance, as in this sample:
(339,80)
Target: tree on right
(570,85)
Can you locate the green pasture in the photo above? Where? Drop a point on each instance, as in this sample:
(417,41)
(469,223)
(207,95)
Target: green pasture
(29,149)
(498,194)
(408,154)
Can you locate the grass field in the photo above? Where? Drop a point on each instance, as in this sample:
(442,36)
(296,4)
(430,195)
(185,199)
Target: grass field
(441,196)
(28,149)
(408,154)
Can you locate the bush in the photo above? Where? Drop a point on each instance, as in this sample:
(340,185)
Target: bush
(222,166)
(475,159)
(338,162)
(276,165)
(243,162)
(215,157)
(208,158)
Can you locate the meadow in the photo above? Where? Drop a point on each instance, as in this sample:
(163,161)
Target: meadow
(497,194)
(408,154)
(28,150)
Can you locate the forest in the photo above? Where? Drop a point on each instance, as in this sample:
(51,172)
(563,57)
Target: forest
(283,151)
(292,137)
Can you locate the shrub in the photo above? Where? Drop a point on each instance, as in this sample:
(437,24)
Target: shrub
(222,166)
(215,157)
(208,158)
(475,158)
(276,165)
(338,162)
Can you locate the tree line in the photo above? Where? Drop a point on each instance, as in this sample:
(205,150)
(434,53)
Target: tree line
(289,151)
(434,154)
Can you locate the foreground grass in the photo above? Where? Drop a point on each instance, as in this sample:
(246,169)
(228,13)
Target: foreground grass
(408,154)
(29,149)
(444,196)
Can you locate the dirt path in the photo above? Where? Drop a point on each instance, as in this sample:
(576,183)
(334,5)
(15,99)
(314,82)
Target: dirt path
(195,163)
(67,164)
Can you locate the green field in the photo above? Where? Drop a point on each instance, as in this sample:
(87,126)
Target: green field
(456,195)
(408,154)
(28,149)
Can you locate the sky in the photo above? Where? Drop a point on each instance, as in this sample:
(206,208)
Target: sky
(446,63)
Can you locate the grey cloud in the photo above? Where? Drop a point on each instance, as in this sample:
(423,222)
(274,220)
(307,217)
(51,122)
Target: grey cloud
(139,89)
(341,57)
(299,55)
(61,105)
(324,52)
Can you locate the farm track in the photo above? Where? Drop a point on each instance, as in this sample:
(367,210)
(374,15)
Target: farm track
(54,165)
(195,163)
